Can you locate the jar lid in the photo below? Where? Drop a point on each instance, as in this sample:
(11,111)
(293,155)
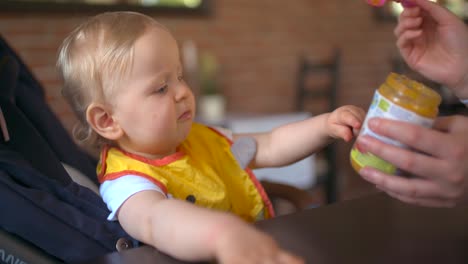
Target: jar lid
(413,90)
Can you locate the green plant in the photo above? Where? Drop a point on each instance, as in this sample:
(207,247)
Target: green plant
(208,74)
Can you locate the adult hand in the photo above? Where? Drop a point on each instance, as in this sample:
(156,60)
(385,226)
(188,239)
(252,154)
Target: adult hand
(438,163)
(433,41)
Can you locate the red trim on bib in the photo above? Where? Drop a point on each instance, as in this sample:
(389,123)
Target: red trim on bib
(155,162)
(253,178)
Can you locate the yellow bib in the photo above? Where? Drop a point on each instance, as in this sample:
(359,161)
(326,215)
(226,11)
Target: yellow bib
(203,171)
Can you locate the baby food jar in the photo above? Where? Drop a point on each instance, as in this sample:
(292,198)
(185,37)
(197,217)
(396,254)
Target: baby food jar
(398,98)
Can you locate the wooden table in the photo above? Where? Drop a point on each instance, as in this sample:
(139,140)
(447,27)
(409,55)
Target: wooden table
(374,229)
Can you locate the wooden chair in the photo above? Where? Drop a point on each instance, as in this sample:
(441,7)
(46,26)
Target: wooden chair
(317,88)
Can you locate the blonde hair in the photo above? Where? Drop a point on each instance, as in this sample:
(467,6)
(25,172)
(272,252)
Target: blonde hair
(94,58)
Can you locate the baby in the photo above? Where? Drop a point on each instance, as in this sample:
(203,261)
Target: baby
(172,183)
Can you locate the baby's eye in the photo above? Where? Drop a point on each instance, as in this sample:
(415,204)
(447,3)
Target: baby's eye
(180,78)
(162,90)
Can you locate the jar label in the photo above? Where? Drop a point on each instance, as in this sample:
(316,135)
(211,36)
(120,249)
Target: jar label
(382,107)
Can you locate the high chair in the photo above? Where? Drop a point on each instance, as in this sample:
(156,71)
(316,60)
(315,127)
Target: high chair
(46,216)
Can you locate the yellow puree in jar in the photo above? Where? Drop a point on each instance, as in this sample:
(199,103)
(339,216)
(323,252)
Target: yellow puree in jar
(410,95)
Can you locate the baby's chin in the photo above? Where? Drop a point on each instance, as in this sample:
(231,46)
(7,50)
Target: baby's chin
(186,129)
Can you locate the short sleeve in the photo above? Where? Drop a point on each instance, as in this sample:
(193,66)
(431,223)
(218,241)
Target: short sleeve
(116,192)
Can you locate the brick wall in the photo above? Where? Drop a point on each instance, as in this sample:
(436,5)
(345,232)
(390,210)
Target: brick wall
(257,44)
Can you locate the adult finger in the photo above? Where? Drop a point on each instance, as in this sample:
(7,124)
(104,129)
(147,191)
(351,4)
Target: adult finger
(412,23)
(410,12)
(423,139)
(405,187)
(405,159)
(404,42)
(435,11)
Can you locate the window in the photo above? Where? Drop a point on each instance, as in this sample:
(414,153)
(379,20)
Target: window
(167,6)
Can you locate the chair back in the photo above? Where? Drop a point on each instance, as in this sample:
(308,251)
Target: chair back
(317,89)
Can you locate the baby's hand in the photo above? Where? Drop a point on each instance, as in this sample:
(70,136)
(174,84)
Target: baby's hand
(345,122)
(242,243)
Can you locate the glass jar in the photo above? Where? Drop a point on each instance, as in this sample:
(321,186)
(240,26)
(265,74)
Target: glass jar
(398,98)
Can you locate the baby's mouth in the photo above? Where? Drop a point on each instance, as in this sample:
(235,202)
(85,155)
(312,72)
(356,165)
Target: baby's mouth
(187,115)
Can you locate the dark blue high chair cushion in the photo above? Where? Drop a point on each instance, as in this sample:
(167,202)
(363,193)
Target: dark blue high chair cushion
(43,205)
(28,95)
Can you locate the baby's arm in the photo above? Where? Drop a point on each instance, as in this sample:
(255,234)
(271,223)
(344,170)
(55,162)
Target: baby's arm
(292,142)
(192,233)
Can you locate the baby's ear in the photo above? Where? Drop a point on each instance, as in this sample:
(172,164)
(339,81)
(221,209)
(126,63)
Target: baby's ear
(101,120)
